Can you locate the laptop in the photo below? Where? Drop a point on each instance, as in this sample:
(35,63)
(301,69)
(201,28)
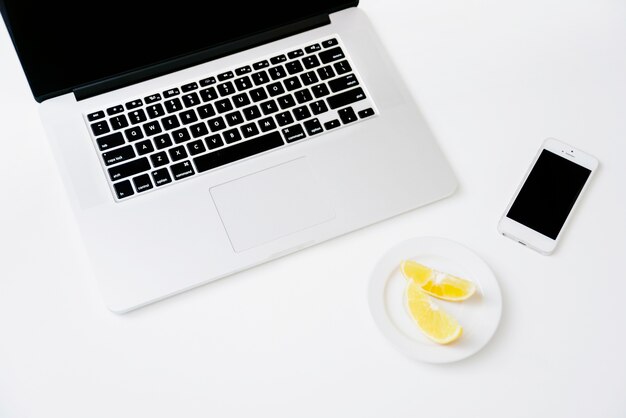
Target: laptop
(198,139)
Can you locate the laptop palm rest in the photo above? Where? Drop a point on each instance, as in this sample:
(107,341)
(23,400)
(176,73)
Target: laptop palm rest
(271,204)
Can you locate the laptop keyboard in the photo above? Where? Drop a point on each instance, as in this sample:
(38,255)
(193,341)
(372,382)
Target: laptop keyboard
(163,138)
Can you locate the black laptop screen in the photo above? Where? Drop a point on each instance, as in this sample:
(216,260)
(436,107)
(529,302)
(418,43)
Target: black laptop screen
(64,44)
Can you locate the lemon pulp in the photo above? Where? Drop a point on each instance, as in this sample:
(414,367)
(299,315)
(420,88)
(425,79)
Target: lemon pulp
(433,321)
(436,283)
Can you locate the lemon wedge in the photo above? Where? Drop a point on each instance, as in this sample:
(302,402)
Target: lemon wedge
(436,283)
(436,323)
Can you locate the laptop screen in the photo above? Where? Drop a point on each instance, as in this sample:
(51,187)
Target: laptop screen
(64,44)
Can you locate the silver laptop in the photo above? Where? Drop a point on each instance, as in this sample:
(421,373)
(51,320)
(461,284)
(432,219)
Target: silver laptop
(198,139)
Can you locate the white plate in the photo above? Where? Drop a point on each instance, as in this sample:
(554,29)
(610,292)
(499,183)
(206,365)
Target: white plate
(479,315)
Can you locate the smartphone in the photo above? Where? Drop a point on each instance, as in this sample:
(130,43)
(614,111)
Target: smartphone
(543,203)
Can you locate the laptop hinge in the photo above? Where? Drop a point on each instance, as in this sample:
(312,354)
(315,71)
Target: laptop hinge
(122,80)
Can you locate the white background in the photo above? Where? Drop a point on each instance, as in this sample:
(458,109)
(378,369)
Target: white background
(294,338)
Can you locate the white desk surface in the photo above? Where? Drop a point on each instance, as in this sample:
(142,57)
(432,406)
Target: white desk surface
(294,338)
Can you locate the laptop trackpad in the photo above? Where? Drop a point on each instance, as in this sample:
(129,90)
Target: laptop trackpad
(270,204)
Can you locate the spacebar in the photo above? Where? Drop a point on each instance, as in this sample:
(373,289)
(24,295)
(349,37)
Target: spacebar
(238,151)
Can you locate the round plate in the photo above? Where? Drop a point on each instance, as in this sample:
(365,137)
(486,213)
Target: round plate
(479,315)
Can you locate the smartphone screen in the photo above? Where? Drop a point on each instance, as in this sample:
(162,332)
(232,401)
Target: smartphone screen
(549,193)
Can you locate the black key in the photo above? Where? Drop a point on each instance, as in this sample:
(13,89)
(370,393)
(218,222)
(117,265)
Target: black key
(144,147)
(152,128)
(133,134)
(366,113)
(318,107)
(261,64)
(115,110)
(231,135)
(199,129)
(332,124)
(223,105)
(100,128)
(217,124)
(313,126)
(286,101)
(284,118)
(251,112)
(329,43)
(171,92)
(118,155)
(129,169)
(189,87)
(142,183)
(191,99)
(292,83)
(277,72)
(161,177)
(123,189)
(295,54)
(331,55)
(118,122)
(225,76)
(267,124)
(320,90)
(343,83)
(152,98)
(342,67)
(208,81)
(258,94)
(278,59)
(226,88)
(347,115)
(155,111)
(326,72)
(241,100)
(310,62)
(309,78)
(243,70)
(182,170)
(170,122)
(234,118)
(196,147)
(243,83)
(269,107)
(303,96)
(208,94)
(188,116)
(213,141)
(275,89)
(159,159)
(173,105)
(293,133)
(301,113)
(178,153)
(163,141)
(346,98)
(134,104)
(249,130)
(312,48)
(137,116)
(206,111)
(95,116)
(181,135)
(239,151)
(260,78)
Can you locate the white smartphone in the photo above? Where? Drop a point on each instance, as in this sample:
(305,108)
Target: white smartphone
(543,203)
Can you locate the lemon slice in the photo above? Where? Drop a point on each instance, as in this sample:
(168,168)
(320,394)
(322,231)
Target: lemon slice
(436,323)
(436,283)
